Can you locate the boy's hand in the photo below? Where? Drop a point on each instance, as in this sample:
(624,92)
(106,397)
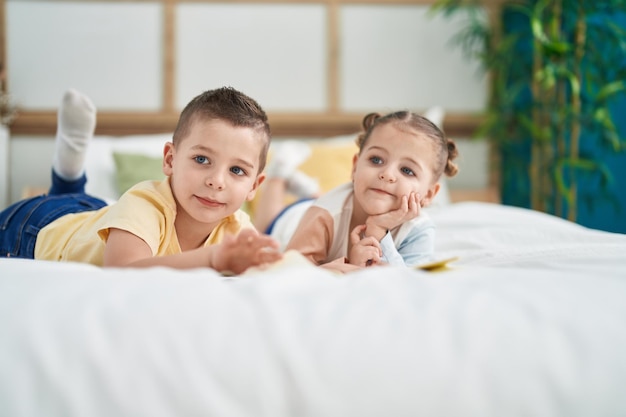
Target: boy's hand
(377,226)
(235,254)
(365,251)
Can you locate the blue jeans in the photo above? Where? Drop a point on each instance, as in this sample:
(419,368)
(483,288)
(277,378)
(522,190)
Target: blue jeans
(21,222)
(269,228)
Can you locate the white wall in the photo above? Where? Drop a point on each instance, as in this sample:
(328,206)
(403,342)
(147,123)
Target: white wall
(110,51)
(389,56)
(4,166)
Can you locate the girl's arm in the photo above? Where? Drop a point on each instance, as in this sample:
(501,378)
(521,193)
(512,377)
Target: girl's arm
(314,235)
(379,225)
(417,247)
(234,254)
(365,250)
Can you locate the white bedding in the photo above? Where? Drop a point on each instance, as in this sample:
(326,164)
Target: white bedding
(530,321)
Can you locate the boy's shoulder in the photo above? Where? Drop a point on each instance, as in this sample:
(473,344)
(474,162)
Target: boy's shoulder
(155,193)
(242,218)
(160,187)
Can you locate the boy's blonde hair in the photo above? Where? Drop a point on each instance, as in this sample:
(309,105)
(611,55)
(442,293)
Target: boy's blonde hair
(231,106)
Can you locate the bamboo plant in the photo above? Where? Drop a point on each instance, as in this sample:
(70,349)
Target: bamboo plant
(554,66)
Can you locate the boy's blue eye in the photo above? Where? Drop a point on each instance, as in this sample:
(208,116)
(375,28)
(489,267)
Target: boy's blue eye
(237,171)
(376,160)
(407,171)
(201,159)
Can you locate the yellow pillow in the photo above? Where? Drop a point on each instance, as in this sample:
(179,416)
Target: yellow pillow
(330,164)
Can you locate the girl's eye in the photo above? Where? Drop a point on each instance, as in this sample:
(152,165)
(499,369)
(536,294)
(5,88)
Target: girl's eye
(376,160)
(237,171)
(201,159)
(407,171)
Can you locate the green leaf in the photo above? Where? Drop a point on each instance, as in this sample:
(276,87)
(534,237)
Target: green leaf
(611,89)
(562,71)
(614,140)
(546,77)
(537,30)
(557,48)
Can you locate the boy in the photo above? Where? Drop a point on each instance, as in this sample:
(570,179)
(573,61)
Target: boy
(191,219)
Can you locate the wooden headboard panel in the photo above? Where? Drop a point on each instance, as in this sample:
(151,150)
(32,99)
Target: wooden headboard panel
(292,125)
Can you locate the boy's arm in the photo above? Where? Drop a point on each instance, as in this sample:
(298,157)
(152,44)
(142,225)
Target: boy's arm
(234,254)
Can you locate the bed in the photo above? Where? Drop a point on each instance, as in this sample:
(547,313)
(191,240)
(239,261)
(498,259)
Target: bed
(528,321)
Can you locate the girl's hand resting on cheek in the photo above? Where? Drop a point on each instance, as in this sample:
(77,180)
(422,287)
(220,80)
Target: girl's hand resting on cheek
(378,225)
(235,254)
(365,251)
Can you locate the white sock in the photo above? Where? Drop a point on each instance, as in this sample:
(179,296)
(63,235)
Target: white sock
(76,122)
(302,185)
(286,157)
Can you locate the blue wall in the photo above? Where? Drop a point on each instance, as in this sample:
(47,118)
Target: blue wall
(600,206)
(609,212)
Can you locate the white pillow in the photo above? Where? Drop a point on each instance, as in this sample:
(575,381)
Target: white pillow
(436,115)
(100,166)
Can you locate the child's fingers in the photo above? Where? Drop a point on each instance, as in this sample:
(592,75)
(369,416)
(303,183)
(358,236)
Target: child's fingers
(267,255)
(243,238)
(373,257)
(415,204)
(251,239)
(372,242)
(404,205)
(355,235)
(267,241)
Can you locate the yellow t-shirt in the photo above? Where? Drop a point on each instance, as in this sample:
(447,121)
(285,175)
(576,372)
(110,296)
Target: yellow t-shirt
(147,210)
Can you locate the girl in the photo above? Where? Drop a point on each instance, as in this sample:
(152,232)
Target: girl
(378,218)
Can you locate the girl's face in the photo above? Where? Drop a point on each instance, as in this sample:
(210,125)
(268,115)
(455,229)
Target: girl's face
(393,163)
(213,171)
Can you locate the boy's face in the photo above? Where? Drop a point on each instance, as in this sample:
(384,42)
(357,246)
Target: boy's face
(393,163)
(213,171)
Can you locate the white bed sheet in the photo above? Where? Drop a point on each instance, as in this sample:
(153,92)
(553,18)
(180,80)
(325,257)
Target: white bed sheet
(529,322)
(496,235)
